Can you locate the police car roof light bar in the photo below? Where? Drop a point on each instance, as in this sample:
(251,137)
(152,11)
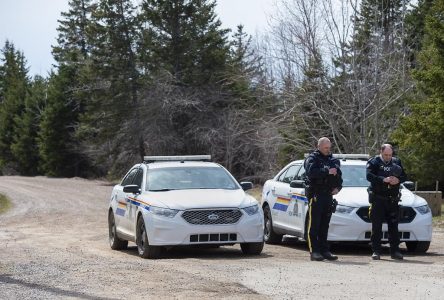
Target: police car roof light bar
(352,156)
(348,156)
(149,159)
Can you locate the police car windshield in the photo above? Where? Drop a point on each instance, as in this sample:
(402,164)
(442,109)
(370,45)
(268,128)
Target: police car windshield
(181,178)
(354,176)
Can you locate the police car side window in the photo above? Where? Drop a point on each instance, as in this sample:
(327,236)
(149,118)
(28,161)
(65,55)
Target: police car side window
(282,176)
(129,178)
(291,173)
(301,174)
(138,178)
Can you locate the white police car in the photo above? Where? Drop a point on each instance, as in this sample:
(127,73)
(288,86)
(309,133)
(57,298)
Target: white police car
(285,207)
(183,200)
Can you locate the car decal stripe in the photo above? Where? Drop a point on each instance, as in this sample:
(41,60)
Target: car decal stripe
(139,203)
(282,200)
(280,207)
(299,197)
(120,212)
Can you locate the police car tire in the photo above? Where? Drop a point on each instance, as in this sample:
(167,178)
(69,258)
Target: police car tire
(252,248)
(418,246)
(114,241)
(143,247)
(272,237)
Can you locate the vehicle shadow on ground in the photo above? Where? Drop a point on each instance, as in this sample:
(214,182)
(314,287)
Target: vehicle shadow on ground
(8,279)
(361,250)
(207,253)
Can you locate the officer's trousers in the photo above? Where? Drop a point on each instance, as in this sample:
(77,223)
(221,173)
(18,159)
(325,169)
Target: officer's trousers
(319,215)
(384,209)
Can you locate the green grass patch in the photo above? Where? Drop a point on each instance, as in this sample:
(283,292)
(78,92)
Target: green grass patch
(5,204)
(438,221)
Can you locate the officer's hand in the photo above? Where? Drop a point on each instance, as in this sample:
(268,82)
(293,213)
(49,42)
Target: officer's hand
(394,180)
(387,180)
(335,191)
(332,171)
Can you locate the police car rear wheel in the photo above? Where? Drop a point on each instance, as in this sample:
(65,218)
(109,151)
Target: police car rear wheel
(418,246)
(252,248)
(143,246)
(270,237)
(114,241)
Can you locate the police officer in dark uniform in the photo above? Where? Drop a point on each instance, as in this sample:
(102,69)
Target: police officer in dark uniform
(385,174)
(324,179)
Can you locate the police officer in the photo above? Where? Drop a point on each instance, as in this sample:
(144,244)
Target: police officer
(385,174)
(324,179)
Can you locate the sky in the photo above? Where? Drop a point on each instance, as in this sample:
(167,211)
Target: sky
(32,25)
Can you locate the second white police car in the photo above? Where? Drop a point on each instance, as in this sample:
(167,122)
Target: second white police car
(285,207)
(183,200)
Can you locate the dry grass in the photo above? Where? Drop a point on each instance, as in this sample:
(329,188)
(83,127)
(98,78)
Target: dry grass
(5,204)
(438,221)
(256,192)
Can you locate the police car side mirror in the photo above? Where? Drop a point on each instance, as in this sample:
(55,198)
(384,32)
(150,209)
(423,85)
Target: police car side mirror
(297,184)
(246,185)
(409,185)
(131,188)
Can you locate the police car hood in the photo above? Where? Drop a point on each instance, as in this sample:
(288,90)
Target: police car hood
(358,196)
(201,198)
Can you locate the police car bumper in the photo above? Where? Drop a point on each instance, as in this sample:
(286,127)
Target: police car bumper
(350,227)
(166,231)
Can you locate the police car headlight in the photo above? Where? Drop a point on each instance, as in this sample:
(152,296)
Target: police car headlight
(251,210)
(342,209)
(164,212)
(423,209)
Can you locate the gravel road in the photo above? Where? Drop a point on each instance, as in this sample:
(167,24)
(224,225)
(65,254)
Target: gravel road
(53,244)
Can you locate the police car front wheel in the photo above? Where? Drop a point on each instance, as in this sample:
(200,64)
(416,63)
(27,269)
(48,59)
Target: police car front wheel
(143,246)
(270,236)
(114,241)
(418,246)
(252,248)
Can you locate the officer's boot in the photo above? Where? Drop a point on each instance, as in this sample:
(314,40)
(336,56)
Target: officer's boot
(316,256)
(329,256)
(397,255)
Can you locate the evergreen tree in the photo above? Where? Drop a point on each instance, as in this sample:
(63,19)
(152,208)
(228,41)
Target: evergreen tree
(24,147)
(244,73)
(14,85)
(58,148)
(72,42)
(112,119)
(60,151)
(415,26)
(185,38)
(421,133)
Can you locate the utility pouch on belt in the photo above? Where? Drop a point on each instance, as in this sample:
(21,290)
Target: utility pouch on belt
(371,195)
(309,192)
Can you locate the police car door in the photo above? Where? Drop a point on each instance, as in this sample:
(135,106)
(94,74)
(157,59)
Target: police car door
(122,210)
(284,196)
(298,205)
(132,200)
